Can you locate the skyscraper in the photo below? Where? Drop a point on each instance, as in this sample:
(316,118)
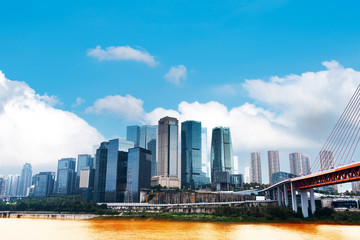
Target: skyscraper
(305,161)
(167,167)
(148,136)
(2,185)
(191,166)
(84,160)
(138,173)
(247,175)
(273,163)
(255,167)
(25,179)
(100,172)
(133,134)
(236,164)
(326,160)
(221,152)
(44,184)
(295,163)
(116,172)
(65,176)
(205,163)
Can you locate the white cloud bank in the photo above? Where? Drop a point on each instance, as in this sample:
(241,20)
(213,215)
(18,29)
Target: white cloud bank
(298,108)
(122,53)
(31,130)
(176,74)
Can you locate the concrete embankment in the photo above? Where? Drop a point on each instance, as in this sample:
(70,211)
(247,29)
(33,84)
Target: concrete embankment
(46,215)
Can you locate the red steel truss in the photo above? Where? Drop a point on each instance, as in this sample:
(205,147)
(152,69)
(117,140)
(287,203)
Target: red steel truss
(344,174)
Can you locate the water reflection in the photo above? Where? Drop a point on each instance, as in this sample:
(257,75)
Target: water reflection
(42,229)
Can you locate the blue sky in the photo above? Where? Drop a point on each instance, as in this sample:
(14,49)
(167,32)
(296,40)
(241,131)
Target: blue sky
(220,43)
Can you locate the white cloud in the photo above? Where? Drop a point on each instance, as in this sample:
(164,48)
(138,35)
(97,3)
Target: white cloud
(310,101)
(33,131)
(127,107)
(122,53)
(176,74)
(51,100)
(78,102)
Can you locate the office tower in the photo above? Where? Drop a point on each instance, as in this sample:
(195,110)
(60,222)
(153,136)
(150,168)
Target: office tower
(273,163)
(255,167)
(236,164)
(84,161)
(191,165)
(2,185)
(65,176)
(305,161)
(138,173)
(44,184)
(148,135)
(167,167)
(133,134)
(295,163)
(125,145)
(11,185)
(100,172)
(205,163)
(116,171)
(86,183)
(247,175)
(25,179)
(326,160)
(221,152)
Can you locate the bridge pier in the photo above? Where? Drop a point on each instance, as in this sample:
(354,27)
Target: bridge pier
(293,198)
(312,200)
(279,196)
(286,196)
(304,203)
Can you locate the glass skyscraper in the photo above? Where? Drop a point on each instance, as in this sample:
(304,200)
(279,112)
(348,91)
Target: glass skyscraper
(116,172)
(25,179)
(100,172)
(204,153)
(44,184)
(65,176)
(191,162)
(133,134)
(148,135)
(84,160)
(138,173)
(221,152)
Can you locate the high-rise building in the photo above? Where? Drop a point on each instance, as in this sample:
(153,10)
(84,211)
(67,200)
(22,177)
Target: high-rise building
(138,173)
(65,176)
(255,167)
(281,176)
(273,162)
(116,172)
(355,186)
(167,166)
(100,172)
(84,161)
(326,160)
(221,152)
(133,134)
(2,185)
(236,166)
(295,163)
(44,184)
(247,175)
(305,161)
(205,163)
(25,179)
(12,183)
(148,136)
(191,165)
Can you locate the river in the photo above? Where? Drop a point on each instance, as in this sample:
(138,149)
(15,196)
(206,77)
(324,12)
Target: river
(41,229)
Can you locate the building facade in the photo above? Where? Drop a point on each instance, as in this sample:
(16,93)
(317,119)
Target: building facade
(84,161)
(133,134)
(44,184)
(65,176)
(295,163)
(138,173)
(148,136)
(205,163)
(191,163)
(100,172)
(167,165)
(305,161)
(281,176)
(255,167)
(273,162)
(221,152)
(25,179)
